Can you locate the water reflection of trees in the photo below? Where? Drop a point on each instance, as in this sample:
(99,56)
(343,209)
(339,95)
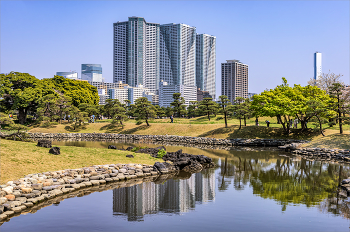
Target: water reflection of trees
(286,180)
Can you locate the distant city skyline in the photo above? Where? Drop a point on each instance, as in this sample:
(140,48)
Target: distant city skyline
(277,39)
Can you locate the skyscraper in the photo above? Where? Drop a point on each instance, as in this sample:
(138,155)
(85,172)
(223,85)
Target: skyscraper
(147,53)
(136,53)
(317,65)
(234,79)
(91,72)
(205,63)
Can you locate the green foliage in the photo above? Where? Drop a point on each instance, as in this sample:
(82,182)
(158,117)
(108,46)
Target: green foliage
(192,109)
(225,107)
(137,148)
(219,118)
(178,104)
(144,110)
(21,92)
(79,91)
(5,120)
(161,153)
(241,110)
(338,104)
(208,107)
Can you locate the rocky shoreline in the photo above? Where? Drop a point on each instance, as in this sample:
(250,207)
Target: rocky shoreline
(25,193)
(319,154)
(48,199)
(179,140)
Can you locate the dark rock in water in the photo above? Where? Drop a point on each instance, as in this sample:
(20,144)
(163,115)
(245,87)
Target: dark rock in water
(345,181)
(194,166)
(55,150)
(161,167)
(112,147)
(2,208)
(44,143)
(160,148)
(130,156)
(129,148)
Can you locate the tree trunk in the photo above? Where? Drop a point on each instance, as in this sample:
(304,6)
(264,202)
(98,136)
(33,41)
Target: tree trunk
(208,116)
(319,121)
(225,119)
(340,119)
(240,123)
(22,115)
(147,122)
(245,122)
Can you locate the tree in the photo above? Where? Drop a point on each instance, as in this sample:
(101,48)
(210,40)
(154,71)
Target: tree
(338,103)
(21,92)
(79,91)
(275,103)
(318,109)
(192,109)
(326,80)
(240,109)
(119,112)
(77,117)
(225,105)
(207,106)
(178,104)
(144,110)
(160,111)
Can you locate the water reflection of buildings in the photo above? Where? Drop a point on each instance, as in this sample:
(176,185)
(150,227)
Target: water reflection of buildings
(173,196)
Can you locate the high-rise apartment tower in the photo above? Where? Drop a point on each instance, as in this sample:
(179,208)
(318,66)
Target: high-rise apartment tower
(147,53)
(234,79)
(317,65)
(205,63)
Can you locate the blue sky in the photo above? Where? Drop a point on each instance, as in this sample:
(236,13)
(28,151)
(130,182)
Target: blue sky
(275,38)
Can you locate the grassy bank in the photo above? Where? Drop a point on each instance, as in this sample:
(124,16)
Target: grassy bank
(196,127)
(330,141)
(20,158)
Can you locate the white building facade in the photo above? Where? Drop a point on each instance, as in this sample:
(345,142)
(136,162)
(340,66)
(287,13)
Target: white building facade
(68,75)
(206,63)
(317,65)
(189,93)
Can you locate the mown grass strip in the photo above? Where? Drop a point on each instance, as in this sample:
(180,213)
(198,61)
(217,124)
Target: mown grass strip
(21,158)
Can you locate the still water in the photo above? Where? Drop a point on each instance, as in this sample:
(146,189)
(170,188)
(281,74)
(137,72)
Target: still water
(250,189)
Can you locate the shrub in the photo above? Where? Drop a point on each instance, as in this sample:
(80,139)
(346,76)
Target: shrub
(161,153)
(219,118)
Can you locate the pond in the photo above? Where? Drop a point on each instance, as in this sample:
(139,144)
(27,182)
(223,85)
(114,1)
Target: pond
(250,189)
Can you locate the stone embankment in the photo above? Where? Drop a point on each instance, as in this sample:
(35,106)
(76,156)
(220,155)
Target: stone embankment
(21,195)
(83,191)
(321,154)
(165,138)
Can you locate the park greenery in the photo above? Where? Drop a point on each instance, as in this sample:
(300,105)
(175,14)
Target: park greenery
(49,102)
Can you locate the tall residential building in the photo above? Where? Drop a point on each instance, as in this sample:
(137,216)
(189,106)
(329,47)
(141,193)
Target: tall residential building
(136,53)
(91,72)
(234,79)
(145,53)
(205,63)
(317,65)
(178,54)
(70,75)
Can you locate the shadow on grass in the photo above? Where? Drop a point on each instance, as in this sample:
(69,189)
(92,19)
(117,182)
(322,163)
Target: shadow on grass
(136,129)
(112,128)
(77,128)
(252,132)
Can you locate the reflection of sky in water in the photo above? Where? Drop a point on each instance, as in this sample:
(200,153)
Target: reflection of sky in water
(249,190)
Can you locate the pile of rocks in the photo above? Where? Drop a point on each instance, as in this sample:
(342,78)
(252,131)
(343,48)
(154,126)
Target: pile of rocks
(322,154)
(24,193)
(180,161)
(166,138)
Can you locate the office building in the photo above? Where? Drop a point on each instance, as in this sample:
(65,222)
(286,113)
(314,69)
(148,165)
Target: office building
(119,93)
(205,63)
(106,85)
(69,75)
(102,94)
(145,53)
(202,94)
(234,79)
(317,65)
(189,93)
(91,72)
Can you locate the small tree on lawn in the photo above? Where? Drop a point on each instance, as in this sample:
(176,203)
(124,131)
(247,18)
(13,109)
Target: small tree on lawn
(225,106)
(144,110)
(207,106)
(178,104)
